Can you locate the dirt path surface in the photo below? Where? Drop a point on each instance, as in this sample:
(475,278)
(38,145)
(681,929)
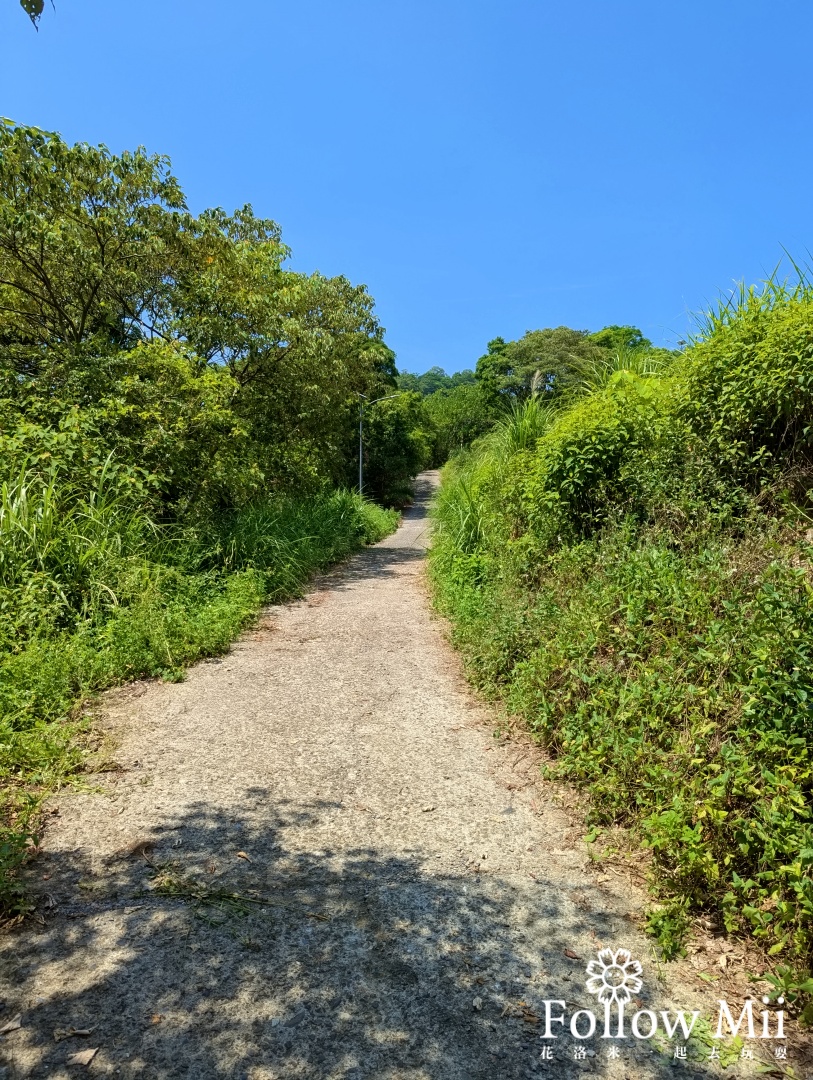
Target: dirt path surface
(410,893)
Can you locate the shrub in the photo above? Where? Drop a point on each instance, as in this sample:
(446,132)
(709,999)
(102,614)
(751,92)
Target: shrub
(746,390)
(632,582)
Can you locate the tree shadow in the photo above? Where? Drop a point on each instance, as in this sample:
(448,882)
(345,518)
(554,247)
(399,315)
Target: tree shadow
(398,551)
(372,563)
(224,947)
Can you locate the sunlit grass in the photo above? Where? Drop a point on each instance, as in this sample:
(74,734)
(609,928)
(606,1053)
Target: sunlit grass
(93,593)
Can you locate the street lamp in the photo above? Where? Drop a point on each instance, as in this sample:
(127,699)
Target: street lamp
(375,401)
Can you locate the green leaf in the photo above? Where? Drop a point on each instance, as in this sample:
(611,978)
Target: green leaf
(33,9)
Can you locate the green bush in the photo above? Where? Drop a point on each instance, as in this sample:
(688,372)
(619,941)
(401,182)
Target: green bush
(746,390)
(636,583)
(586,464)
(397,447)
(457,416)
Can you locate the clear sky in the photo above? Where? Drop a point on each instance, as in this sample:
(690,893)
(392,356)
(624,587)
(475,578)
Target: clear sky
(484,167)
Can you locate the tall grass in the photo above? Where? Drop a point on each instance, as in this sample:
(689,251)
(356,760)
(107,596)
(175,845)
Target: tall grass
(634,582)
(94,593)
(460,507)
(63,547)
(595,374)
(526,423)
(745,301)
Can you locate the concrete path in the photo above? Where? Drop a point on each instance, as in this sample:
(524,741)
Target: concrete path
(315,861)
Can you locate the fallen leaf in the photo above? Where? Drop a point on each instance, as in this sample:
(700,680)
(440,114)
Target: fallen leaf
(572,955)
(12,1025)
(477,1004)
(723,961)
(156,1018)
(84,1057)
(242,855)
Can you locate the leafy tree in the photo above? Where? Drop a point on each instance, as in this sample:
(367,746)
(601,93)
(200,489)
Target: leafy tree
(550,361)
(398,446)
(541,361)
(462,378)
(186,342)
(88,246)
(618,338)
(408,381)
(495,372)
(457,417)
(433,380)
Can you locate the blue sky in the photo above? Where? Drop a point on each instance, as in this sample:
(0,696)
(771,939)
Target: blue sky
(484,168)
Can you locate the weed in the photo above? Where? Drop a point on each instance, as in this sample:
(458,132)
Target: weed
(669,925)
(94,594)
(636,584)
(213,905)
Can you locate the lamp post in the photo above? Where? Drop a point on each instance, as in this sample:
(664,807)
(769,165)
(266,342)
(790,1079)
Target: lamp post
(363,398)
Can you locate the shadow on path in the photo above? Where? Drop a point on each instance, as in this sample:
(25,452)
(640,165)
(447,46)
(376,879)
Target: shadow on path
(359,965)
(258,933)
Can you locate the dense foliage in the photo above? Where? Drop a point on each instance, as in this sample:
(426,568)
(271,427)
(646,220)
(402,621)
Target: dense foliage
(178,418)
(627,561)
(552,362)
(183,342)
(455,417)
(435,379)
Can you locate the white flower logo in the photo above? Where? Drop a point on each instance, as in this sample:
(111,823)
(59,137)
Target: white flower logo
(614,977)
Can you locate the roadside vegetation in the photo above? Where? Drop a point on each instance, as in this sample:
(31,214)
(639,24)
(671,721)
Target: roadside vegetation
(178,426)
(626,558)
(623,538)
(455,410)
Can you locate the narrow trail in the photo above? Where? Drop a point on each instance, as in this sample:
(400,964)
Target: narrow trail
(419,892)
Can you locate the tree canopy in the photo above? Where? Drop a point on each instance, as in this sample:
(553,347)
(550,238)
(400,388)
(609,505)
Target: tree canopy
(435,379)
(550,361)
(181,342)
